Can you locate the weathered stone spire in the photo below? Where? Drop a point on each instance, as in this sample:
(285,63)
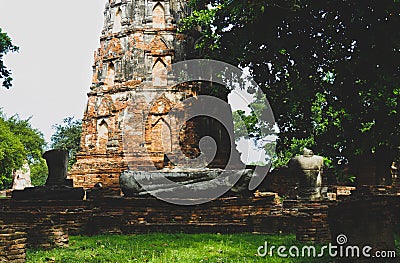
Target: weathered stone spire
(137,35)
(138,42)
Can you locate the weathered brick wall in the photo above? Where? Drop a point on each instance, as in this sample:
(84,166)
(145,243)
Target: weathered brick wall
(12,244)
(48,223)
(143,215)
(112,215)
(312,223)
(225,215)
(63,216)
(43,229)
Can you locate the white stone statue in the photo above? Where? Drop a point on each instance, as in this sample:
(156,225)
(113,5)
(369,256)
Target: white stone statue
(22,178)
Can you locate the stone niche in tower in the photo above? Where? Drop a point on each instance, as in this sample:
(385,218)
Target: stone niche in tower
(159,73)
(159,60)
(110,76)
(117,21)
(158,131)
(102,136)
(158,16)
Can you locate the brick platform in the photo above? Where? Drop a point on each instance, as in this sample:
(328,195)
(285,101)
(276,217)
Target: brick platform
(143,215)
(312,223)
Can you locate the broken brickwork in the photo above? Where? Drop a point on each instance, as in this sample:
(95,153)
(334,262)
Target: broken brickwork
(12,244)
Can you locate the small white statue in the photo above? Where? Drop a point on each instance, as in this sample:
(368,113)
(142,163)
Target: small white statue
(22,178)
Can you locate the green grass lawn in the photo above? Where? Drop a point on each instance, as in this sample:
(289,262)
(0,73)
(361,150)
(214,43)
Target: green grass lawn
(168,248)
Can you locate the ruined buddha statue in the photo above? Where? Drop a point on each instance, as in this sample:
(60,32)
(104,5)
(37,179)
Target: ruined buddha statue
(307,168)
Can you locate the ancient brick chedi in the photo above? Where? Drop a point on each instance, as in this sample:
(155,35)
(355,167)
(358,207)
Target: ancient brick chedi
(138,44)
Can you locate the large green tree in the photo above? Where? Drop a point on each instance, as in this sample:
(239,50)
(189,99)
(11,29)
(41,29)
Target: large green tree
(20,143)
(330,69)
(67,137)
(5,46)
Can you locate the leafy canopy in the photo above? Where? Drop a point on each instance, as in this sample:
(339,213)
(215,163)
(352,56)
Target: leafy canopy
(5,47)
(330,69)
(20,143)
(67,137)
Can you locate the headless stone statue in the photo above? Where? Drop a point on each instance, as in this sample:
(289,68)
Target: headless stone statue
(22,178)
(57,187)
(308,169)
(57,163)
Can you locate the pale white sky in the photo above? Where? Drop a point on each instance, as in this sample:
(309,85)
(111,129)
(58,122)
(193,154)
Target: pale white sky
(53,70)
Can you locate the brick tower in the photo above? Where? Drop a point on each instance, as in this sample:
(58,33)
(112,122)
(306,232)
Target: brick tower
(138,43)
(139,38)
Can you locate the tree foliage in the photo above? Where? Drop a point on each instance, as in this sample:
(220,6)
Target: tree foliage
(19,142)
(5,47)
(330,69)
(67,137)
